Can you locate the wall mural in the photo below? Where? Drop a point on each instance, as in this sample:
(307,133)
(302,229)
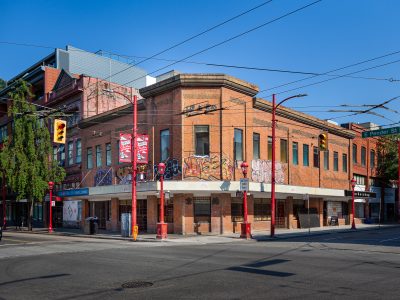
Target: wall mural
(103,177)
(207,168)
(261,171)
(172,169)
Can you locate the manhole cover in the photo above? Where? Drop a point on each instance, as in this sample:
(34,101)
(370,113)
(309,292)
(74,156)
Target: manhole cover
(136,284)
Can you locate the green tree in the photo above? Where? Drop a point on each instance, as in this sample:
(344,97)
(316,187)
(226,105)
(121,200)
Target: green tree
(2,84)
(388,159)
(26,154)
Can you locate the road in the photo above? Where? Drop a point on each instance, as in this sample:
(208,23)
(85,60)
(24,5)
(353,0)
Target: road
(353,265)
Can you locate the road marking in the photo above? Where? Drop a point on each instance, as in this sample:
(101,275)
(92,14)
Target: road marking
(389,240)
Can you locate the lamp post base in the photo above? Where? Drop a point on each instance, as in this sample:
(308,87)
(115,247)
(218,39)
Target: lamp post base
(245,232)
(353,225)
(162,231)
(50,230)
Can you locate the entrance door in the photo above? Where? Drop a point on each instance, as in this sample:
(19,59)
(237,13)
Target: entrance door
(142,214)
(280,214)
(101,213)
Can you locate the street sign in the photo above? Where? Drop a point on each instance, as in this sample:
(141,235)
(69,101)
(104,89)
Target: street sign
(380,132)
(244,184)
(360,194)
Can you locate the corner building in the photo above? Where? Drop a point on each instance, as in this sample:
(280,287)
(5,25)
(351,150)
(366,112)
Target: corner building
(203,126)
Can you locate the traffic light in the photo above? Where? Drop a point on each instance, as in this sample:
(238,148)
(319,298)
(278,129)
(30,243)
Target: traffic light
(323,142)
(60,131)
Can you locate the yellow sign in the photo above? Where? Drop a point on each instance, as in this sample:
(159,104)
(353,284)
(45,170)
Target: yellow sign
(135,232)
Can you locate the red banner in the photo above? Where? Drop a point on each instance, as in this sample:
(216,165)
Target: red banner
(125,147)
(142,143)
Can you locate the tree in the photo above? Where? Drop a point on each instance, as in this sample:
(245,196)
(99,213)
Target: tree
(26,154)
(388,159)
(2,83)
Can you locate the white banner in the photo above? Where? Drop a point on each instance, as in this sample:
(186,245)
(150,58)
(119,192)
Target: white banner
(70,211)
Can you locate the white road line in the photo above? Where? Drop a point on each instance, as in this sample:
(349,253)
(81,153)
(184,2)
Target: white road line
(389,240)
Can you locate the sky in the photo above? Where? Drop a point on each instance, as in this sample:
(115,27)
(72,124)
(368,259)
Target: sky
(322,37)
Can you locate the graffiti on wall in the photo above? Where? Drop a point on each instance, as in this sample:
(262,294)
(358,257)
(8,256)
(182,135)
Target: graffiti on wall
(172,169)
(103,177)
(261,171)
(207,167)
(124,175)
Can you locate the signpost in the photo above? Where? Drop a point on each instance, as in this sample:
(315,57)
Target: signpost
(244,184)
(382,132)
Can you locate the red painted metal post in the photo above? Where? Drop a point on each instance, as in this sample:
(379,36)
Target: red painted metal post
(134,167)
(51,184)
(273,168)
(4,201)
(161,226)
(245,226)
(353,183)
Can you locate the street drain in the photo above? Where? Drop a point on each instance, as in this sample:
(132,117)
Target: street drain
(136,284)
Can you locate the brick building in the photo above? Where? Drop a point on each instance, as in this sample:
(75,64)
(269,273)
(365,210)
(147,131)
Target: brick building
(203,126)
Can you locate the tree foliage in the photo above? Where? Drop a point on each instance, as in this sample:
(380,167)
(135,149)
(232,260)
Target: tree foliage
(388,159)
(2,84)
(26,154)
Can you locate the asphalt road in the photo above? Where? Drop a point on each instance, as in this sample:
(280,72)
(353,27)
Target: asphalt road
(353,265)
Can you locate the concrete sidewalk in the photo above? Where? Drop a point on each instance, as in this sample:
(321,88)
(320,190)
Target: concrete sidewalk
(209,238)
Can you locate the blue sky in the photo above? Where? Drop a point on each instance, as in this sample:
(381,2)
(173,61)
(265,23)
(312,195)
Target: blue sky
(326,36)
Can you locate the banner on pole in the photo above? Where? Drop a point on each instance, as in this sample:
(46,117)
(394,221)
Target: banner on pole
(142,143)
(125,147)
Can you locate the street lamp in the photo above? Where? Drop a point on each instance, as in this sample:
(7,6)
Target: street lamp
(51,184)
(134,159)
(245,226)
(161,226)
(353,184)
(273,204)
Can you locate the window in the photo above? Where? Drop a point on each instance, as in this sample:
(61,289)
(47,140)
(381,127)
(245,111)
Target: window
(344,162)
(361,180)
(372,159)
(363,156)
(284,151)
(335,161)
(89,158)
(98,156)
(73,119)
(70,153)
(354,153)
(3,132)
(316,157)
(238,147)
(262,209)
(270,148)
(62,155)
(306,155)
(237,209)
(202,140)
(295,147)
(78,153)
(202,209)
(256,146)
(108,154)
(326,160)
(55,153)
(164,144)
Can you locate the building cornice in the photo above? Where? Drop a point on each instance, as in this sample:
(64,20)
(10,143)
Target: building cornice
(199,80)
(291,114)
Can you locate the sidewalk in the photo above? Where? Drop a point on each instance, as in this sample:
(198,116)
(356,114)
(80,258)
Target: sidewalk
(210,238)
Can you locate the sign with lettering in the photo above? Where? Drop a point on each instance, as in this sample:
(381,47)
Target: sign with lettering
(360,194)
(199,109)
(142,143)
(244,184)
(125,147)
(380,132)
(75,192)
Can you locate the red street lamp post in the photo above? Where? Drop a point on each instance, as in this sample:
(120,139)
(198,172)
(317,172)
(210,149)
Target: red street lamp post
(353,184)
(161,226)
(273,181)
(245,226)
(51,184)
